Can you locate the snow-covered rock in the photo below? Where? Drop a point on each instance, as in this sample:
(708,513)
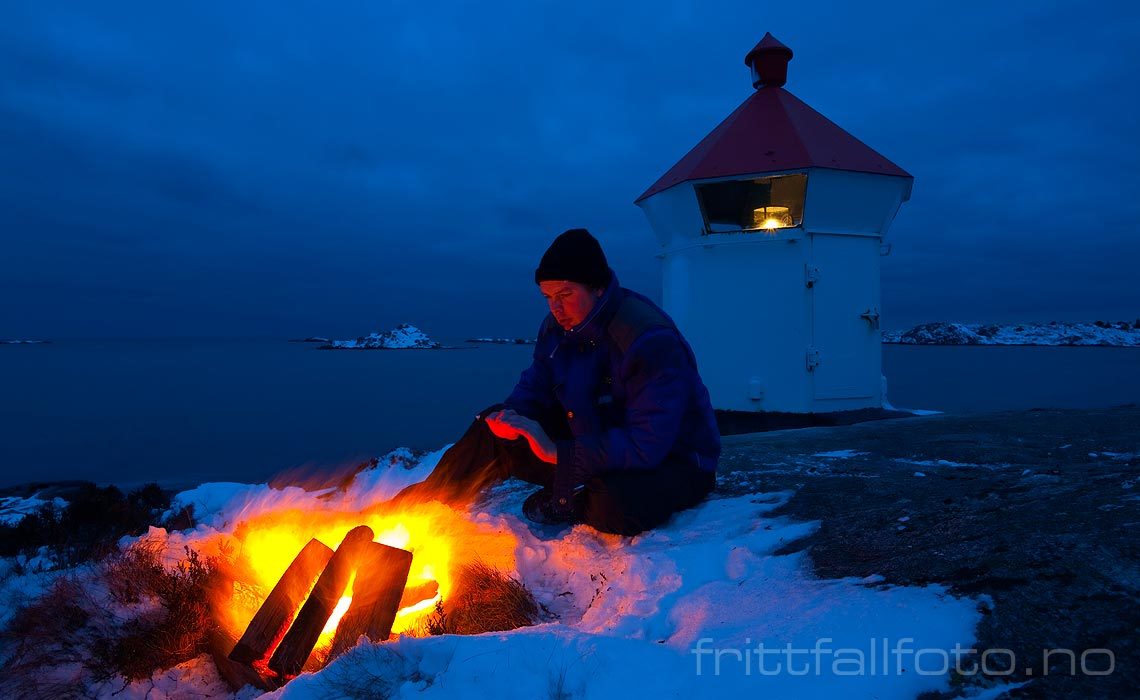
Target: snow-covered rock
(403,337)
(14,509)
(1115,333)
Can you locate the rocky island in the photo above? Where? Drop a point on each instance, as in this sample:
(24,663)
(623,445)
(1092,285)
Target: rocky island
(1102,333)
(403,337)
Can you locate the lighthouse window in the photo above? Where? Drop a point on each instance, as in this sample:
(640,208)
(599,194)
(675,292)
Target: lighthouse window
(762,205)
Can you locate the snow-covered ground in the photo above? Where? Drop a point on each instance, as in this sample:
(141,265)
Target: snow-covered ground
(703,607)
(700,608)
(21,342)
(1118,333)
(403,337)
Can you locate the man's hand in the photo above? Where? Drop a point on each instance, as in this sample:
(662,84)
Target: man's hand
(503,424)
(510,426)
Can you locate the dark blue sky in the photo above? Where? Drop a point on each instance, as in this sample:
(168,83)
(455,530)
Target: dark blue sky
(266,168)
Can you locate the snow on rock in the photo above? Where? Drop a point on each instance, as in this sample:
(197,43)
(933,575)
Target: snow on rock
(395,471)
(403,337)
(13,509)
(839,454)
(1118,333)
(220,506)
(211,503)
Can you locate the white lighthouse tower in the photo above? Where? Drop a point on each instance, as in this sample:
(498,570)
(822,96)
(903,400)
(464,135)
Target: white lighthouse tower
(770,232)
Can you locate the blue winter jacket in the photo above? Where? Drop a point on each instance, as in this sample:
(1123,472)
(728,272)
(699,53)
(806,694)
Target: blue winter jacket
(626,381)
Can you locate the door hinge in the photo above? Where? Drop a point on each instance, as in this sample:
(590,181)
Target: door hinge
(812,359)
(811,276)
(871,316)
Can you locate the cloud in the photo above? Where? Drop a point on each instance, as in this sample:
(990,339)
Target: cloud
(343,163)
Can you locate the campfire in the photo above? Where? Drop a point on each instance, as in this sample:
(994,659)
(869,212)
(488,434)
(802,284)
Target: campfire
(308,584)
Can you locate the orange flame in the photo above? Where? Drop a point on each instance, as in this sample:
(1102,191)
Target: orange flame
(441,540)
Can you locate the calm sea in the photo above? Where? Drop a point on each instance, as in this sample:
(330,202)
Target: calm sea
(184,411)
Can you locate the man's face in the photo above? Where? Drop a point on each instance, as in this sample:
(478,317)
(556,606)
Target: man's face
(570,302)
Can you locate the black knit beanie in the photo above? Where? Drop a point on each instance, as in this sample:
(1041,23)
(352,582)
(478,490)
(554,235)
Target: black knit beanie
(574,256)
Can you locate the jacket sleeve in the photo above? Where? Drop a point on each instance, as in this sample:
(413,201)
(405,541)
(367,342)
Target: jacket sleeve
(658,379)
(534,393)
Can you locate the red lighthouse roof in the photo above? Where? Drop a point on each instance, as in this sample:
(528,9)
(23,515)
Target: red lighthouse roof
(772,131)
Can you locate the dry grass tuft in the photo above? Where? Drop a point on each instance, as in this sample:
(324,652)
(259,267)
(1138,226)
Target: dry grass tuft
(485,600)
(45,636)
(175,632)
(129,618)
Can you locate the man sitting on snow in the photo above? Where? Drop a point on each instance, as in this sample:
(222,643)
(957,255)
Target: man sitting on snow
(612,403)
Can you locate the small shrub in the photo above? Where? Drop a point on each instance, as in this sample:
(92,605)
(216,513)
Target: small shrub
(177,633)
(133,574)
(485,600)
(89,526)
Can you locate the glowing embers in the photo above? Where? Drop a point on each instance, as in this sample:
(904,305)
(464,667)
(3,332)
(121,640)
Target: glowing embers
(282,635)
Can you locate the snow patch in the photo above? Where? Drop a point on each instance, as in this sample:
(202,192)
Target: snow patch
(938,463)
(839,454)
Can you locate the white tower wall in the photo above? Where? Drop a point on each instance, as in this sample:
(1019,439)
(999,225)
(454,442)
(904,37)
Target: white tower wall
(783,322)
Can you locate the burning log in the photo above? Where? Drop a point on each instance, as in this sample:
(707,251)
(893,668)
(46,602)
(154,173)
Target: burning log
(299,641)
(376,596)
(237,675)
(268,626)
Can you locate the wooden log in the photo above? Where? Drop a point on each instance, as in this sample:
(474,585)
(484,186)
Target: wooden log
(275,615)
(299,641)
(376,595)
(236,675)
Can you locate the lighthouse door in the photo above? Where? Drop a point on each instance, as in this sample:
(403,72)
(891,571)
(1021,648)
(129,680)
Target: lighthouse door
(846,346)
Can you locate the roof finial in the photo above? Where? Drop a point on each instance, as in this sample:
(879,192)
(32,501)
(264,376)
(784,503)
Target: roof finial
(769,62)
